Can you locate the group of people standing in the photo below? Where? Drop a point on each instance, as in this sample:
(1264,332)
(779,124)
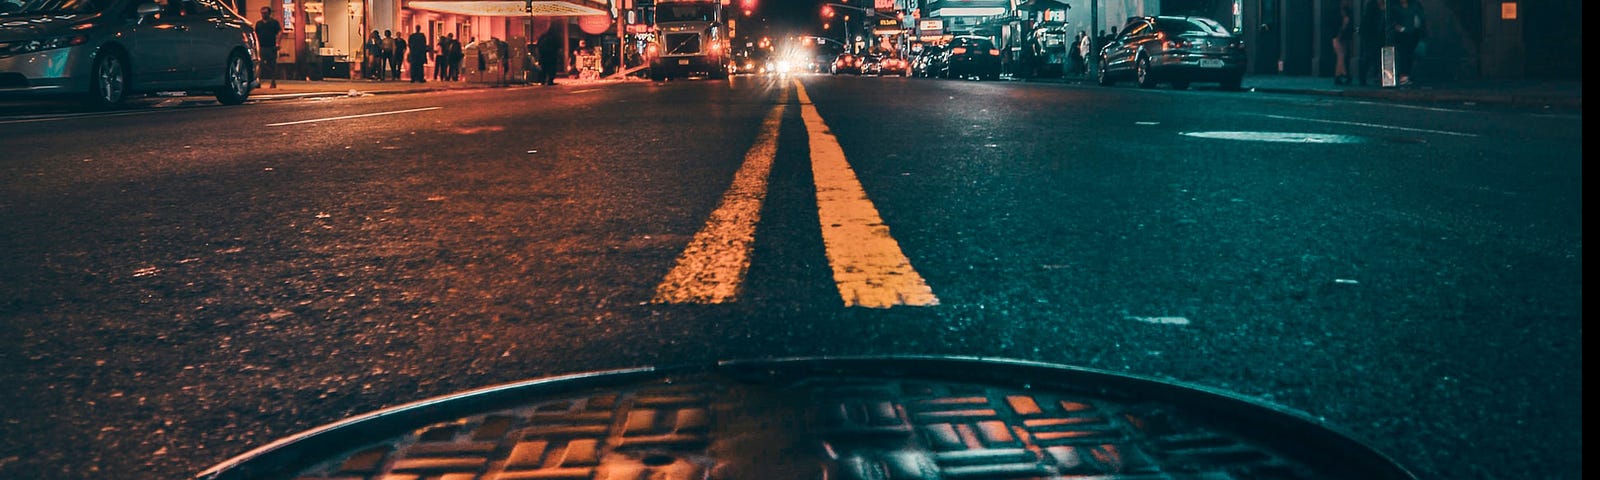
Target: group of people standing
(1384,23)
(386,53)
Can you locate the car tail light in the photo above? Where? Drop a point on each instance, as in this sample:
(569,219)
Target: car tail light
(994,52)
(958,50)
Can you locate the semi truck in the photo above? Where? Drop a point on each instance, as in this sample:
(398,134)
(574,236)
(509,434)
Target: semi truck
(691,39)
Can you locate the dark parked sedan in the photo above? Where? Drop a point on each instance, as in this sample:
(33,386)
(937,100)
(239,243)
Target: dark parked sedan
(887,65)
(971,56)
(106,50)
(1178,50)
(846,63)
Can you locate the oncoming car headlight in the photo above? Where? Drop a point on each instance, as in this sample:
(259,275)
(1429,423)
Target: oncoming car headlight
(41,44)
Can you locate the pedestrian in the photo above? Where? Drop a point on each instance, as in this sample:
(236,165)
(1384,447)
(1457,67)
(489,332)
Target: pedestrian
(439,55)
(457,55)
(370,64)
(268,30)
(419,54)
(1373,35)
(397,57)
(549,56)
(386,55)
(1086,49)
(1342,38)
(1410,27)
(575,64)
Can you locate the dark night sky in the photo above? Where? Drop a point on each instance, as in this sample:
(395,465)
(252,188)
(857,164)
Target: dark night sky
(785,17)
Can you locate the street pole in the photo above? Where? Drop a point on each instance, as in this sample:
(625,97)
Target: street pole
(1092,59)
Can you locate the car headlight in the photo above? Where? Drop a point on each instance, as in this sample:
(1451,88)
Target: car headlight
(35,45)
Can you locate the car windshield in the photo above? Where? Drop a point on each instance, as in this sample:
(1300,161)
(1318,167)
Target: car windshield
(31,7)
(686,13)
(1192,25)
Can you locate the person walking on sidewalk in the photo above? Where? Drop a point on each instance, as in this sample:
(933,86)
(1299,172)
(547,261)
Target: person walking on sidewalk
(419,54)
(397,57)
(386,55)
(454,58)
(1409,29)
(442,50)
(370,64)
(1343,36)
(549,56)
(1373,34)
(267,32)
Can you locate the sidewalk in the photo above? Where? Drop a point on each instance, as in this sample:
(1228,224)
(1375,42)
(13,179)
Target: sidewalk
(1563,95)
(290,89)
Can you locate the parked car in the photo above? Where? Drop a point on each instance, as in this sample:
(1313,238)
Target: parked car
(1177,50)
(107,50)
(926,62)
(846,63)
(971,56)
(889,64)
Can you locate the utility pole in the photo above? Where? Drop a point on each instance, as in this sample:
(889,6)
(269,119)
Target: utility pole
(1092,60)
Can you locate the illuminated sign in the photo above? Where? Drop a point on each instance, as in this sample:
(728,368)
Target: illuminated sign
(1508,10)
(288,16)
(935,25)
(970,12)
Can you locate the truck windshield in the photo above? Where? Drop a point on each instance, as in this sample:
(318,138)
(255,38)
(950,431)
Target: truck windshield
(686,13)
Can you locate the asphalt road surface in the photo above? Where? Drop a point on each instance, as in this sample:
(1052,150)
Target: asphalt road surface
(182,283)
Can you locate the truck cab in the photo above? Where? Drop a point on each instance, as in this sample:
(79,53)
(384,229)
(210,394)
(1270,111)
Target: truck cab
(691,38)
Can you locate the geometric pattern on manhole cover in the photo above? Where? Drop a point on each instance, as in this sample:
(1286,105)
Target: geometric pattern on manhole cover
(825,427)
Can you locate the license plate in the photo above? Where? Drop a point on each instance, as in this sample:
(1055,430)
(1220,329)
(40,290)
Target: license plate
(1210,63)
(686,62)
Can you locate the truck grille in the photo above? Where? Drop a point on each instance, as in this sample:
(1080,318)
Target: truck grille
(683,44)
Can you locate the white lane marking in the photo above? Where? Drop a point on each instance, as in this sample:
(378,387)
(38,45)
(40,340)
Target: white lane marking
(868,266)
(1373,125)
(347,117)
(69,116)
(1162,320)
(712,268)
(586,90)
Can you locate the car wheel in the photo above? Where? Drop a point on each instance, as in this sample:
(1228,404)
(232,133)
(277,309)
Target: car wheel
(235,81)
(1233,83)
(1180,85)
(110,80)
(1103,78)
(1142,73)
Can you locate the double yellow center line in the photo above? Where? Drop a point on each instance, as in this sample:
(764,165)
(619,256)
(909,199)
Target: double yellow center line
(868,266)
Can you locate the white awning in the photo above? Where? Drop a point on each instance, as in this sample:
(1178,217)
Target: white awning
(506,8)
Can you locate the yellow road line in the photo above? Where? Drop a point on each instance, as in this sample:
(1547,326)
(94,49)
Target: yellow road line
(868,266)
(713,266)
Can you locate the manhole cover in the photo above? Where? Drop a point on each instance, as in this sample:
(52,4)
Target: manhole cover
(856,418)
